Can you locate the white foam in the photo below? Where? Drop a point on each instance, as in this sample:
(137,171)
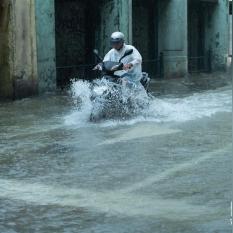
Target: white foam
(81,93)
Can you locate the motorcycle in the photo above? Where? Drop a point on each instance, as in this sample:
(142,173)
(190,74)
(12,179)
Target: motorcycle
(113,96)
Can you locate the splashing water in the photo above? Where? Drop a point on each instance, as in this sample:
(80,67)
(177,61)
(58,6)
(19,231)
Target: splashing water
(106,100)
(142,108)
(189,108)
(81,96)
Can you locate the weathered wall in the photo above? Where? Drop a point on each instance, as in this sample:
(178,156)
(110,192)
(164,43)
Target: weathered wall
(125,18)
(28,42)
(20,69)
(173,36)
(217,33)
(115,15)
(109,22)
(45,34)
(24,39)
(24,49)
(6,84)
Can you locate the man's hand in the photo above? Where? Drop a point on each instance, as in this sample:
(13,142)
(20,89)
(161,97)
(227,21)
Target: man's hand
(98,67)
(127,66)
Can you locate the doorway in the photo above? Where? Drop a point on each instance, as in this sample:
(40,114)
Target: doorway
(145,33)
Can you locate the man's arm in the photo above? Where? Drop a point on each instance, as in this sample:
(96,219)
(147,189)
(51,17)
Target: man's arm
(107,57)
(137,58)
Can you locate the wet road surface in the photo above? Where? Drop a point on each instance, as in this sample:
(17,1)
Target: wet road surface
(167,172)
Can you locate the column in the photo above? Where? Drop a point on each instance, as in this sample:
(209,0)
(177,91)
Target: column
(172,35)
(46,49)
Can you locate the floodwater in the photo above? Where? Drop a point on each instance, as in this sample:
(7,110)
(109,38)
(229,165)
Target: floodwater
(166,170)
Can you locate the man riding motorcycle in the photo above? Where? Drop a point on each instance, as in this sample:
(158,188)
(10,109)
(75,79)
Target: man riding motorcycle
(122,90)
(132,64)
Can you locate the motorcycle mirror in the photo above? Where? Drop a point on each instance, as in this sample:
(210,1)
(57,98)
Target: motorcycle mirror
(117,67)
(96,52)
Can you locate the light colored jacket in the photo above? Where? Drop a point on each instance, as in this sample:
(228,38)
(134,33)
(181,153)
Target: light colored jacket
(135,59)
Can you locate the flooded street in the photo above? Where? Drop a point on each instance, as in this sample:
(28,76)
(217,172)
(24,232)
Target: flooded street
(166,171)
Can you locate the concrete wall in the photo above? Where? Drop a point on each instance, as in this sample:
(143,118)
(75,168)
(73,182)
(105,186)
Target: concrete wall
(217,33)
(115,15)
(45,34)
(125,18)
(109,22)
(173,36)
(24,42)
(19,73)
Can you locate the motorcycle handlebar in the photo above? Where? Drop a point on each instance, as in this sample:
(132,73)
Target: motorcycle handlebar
(117,67)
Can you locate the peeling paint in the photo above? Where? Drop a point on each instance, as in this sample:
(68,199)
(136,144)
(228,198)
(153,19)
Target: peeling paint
(6,87)
(19,44)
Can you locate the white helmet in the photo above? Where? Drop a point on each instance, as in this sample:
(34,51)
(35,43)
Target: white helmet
(117,37)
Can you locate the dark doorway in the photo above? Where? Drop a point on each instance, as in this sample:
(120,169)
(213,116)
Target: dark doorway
(230,7)
(200,17)
(196,36)
(230,29)
(145,33)
(75,26)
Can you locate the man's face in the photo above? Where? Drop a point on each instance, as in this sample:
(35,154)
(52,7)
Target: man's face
(117,45)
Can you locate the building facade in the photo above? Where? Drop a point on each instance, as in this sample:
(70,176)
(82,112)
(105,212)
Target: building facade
(43,43)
